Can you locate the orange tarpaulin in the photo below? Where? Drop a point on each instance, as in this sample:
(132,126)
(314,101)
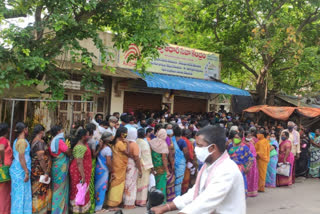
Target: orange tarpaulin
(283,112)
(309,112)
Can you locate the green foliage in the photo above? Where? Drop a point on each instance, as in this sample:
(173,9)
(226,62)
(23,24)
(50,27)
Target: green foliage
(29,55)
(263,43)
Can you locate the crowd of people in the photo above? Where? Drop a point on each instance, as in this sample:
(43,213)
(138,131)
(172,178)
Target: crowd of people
(120,156)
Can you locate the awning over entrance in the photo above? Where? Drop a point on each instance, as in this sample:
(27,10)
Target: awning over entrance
(189,84)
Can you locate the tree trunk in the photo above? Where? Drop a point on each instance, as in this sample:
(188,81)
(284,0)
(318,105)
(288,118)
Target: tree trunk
(262,88)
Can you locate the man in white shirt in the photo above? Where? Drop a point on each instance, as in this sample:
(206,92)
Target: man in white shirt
(219,186)
(294,138)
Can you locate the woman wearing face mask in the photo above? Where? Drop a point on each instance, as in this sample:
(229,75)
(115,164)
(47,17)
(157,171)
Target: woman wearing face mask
(120,154)
(40,165)
(241,155)
(103,168)
(253,174)
(21,198)
(80,171)
(263,158)
(272,165)
(171,161)
(285,156)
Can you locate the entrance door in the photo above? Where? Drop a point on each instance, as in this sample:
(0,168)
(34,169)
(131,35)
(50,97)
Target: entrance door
(134,101)
(184,105)
(81,111)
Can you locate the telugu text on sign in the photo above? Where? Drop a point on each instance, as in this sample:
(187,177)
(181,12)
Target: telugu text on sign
(178,61)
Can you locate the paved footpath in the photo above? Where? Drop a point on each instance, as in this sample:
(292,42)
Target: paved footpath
(302,198)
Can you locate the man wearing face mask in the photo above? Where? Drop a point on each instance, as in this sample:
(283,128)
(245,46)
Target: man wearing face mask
(184,123)
(294,138)
(219,186)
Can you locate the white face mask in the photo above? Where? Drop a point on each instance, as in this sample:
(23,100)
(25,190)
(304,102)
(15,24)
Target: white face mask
(272,139)
(202,153)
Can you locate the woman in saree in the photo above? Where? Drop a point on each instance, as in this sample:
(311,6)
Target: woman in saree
(241,155)
(181,156)
(95,149)
(103,168)
(40,165)
(80,171)
(120,154)
(134,170)
(147,166)
(285,156)
(314,170)
(21,196)
(263,158)
(171,162)
(159,152)
(5,161)
(253,175)
(59,152)
(272,165)
(186,134)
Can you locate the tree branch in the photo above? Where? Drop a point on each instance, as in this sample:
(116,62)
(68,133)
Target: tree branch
(285,68)
(252,14)
(311,18)
(38,21)
(215,28)
(85,15)
(275,9)
(247,67)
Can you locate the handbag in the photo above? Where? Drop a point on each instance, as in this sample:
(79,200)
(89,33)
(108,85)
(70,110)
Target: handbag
(284,169)
(81,194)
(4,174)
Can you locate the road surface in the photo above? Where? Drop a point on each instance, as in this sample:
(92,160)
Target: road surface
(302,198)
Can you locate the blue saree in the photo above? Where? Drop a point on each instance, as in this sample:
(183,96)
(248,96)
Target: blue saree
(272,166)
(60,184)
(21,197)
(180,167)
(242,156)
(101,177)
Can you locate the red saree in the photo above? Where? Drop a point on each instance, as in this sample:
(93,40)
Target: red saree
(75,177)
(283,180)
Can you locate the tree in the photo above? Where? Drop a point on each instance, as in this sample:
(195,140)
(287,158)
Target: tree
(274,43)
(28,55)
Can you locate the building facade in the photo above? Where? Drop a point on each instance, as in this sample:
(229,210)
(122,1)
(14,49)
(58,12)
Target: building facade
(184,79)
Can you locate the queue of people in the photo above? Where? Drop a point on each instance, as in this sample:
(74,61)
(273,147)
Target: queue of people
(120,157)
